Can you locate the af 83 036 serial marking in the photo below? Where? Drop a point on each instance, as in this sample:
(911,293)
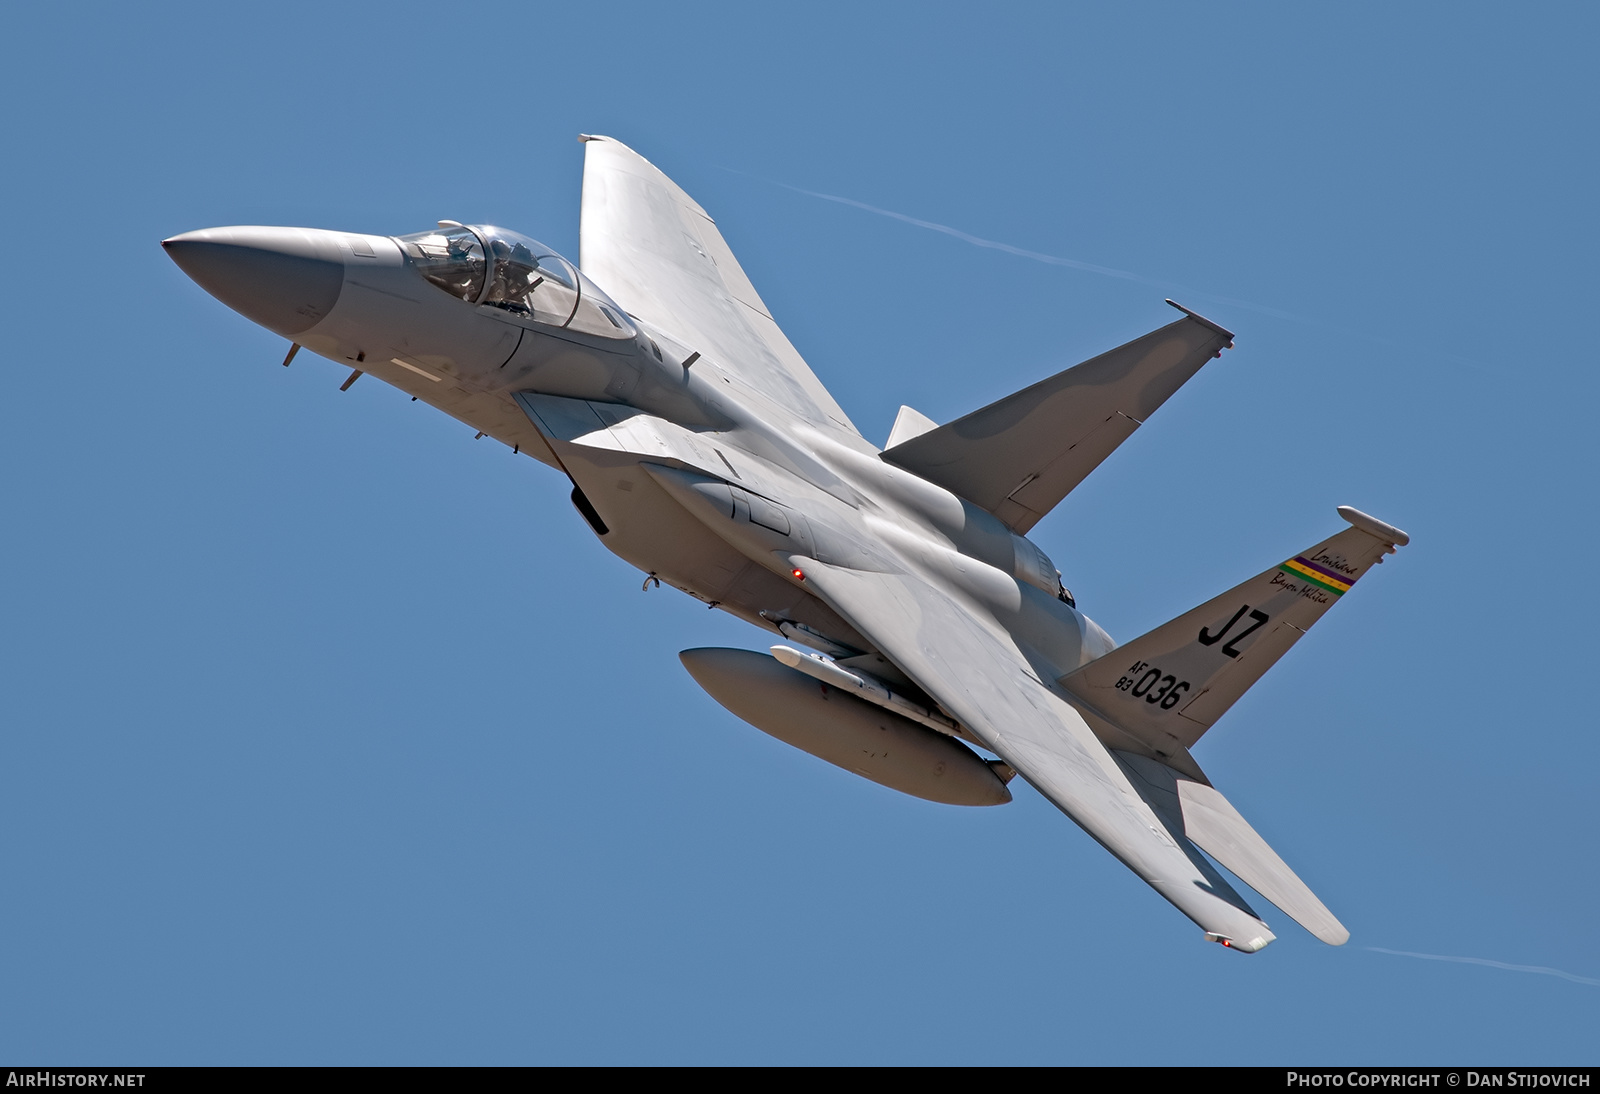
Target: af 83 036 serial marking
(1153,686)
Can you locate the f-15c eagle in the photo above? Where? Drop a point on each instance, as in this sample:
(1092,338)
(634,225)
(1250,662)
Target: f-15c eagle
(918,621)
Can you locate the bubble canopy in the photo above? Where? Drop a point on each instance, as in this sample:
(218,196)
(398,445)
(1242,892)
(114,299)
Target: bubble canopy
(498,268)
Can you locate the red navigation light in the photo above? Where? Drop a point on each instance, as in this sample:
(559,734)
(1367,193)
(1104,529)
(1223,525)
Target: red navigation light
(799,574)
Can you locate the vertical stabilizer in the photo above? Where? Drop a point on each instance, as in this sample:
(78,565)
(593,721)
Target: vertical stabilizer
(1168,687)
(1020,456)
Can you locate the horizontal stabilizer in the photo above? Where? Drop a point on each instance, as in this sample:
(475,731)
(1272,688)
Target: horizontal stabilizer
(1168,687)
(1211,823)
(1020,456)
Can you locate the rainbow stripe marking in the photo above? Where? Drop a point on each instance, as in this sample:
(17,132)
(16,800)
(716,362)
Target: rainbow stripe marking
(1320,576)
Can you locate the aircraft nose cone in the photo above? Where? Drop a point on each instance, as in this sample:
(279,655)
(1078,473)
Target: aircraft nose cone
(286,279)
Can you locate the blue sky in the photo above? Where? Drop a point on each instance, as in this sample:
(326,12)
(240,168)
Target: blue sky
(329,735)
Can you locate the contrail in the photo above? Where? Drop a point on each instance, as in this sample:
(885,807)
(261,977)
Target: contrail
(1542,970)
(1036,256)
(1171,288)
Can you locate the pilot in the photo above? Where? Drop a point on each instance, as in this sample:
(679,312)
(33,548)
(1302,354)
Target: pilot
(458,274)
(514,276)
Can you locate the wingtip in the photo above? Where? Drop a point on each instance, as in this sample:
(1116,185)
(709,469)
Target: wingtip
(1198,318)
(1249,945)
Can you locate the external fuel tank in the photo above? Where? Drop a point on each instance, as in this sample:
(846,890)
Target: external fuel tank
(818,718)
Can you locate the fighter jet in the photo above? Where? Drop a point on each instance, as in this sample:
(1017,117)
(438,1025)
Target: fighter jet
(924,642)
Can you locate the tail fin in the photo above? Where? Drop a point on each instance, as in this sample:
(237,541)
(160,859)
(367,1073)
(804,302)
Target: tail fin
(1167,688)
(1020,456)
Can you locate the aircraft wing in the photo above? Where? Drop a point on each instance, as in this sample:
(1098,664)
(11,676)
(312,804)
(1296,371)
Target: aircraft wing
(978,674)
(648,244)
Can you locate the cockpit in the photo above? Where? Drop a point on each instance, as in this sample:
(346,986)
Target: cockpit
(497,268)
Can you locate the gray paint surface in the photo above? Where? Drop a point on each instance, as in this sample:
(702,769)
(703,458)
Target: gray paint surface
(703,450)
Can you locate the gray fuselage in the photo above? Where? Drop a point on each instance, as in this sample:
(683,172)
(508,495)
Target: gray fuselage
(700,481)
